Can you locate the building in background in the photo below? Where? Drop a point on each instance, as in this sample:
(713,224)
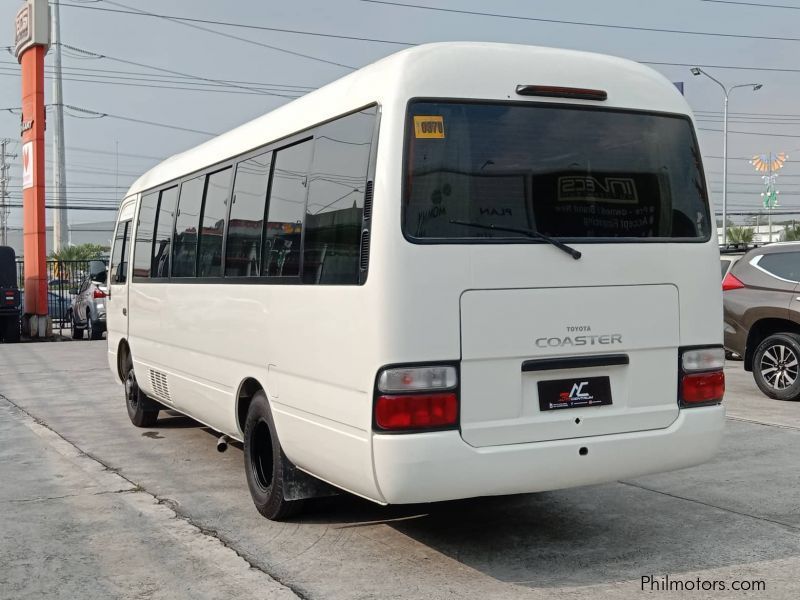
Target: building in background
(80,233)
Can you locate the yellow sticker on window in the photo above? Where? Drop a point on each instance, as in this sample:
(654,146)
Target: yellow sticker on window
(429,127)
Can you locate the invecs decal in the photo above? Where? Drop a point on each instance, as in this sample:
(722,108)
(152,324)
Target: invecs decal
(619,190)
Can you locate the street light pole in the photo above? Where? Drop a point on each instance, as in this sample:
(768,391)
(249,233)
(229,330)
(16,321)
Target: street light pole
(726,93)
(725,171)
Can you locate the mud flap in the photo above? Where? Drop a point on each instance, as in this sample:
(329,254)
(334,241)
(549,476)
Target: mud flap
(298,485)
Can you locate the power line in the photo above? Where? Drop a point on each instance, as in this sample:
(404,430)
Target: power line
(113,153)
(230,36)
(164,70)
(753,4)
(68,207)
(101,115)
(732,67)
(586,23)
(786,135)
(407,43)
(242,25)
(178,78)
(739,114)
(156,86)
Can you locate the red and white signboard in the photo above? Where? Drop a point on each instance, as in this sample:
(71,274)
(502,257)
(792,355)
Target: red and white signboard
(27,165)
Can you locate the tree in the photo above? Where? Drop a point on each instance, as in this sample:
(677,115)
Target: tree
(792,233)
(80,252)
(740,235)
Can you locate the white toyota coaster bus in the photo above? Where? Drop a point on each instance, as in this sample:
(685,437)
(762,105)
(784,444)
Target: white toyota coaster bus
(468,269)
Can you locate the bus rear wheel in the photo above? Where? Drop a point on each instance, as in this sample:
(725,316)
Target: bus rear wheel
(142,411)
(265,463)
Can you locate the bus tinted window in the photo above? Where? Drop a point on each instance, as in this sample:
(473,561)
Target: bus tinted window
(336,199)
(287,202)
(563,171)
(185,251)
(142,259)
(215,209)
(121,252)
(242,255)
(161,248)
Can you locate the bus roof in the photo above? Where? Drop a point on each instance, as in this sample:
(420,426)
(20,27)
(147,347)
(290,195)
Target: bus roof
(464,70)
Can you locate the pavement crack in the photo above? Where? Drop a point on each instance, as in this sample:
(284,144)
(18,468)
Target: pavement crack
(50,498)
(171,504)
(764,423)
(710,505)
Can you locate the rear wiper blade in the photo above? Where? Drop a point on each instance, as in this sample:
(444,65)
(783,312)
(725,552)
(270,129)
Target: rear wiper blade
(529,232)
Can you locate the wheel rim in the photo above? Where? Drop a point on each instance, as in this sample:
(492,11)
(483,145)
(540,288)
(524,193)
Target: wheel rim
(131,391)
(261,457)
(779,366)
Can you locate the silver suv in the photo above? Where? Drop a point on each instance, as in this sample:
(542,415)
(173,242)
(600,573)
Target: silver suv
(88,312)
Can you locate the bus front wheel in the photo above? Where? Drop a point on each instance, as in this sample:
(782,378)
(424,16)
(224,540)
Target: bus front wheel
(264,462)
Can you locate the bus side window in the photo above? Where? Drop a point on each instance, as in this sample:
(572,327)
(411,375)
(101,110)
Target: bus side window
(212,224)
(336,199)
(161,247)
(184,259)
(246,225)
(287,200)
(121,253)
(142,258)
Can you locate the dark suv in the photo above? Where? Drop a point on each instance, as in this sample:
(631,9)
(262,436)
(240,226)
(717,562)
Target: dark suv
(761,297)
(9,296)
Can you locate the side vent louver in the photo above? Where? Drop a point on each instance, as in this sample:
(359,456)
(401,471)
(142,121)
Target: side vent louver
(158,381)
(368,201)
(364,260)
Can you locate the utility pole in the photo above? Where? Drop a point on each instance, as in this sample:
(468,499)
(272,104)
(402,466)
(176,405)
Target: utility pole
(4,167)
(60,218)
(769,206)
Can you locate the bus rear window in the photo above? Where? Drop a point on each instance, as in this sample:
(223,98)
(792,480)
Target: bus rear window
(567,172)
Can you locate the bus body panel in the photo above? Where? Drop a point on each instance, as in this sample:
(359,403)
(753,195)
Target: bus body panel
(316,349)
(440,466)
(504,329)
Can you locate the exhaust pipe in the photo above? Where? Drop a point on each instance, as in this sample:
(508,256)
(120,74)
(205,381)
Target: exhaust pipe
(222,443)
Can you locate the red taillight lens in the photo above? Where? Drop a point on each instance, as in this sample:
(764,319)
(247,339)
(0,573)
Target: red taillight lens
(731,283)
(416,411)
(9,297)
(702,387)
(98,293)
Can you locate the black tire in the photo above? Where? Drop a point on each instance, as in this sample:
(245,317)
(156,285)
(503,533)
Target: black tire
(776,366)
(265,463)
(11,330)
(142,411)
(95,332)
(77,332)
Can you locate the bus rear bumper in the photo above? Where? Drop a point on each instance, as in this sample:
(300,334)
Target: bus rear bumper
(438,466)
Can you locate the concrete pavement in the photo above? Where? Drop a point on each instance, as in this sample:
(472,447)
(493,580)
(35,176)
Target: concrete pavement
(737,517)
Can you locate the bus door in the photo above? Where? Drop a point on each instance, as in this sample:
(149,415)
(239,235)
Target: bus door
(117,304)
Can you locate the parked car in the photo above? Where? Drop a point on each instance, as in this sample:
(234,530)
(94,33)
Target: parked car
(729,254)
(58,305)
(88,312)
(10,301)
(761,298)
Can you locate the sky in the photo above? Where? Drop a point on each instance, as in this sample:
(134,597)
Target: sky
(105,155)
